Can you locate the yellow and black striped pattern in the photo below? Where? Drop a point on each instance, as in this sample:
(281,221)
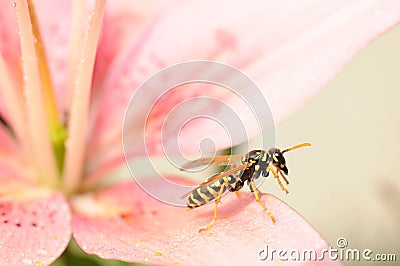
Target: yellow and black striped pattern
(203,194)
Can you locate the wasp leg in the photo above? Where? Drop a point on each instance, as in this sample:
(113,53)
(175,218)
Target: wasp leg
(278,178)
(217,200)
(284,178)
(262,204)
(237,194)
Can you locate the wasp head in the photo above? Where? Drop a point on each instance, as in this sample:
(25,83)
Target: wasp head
(278,160)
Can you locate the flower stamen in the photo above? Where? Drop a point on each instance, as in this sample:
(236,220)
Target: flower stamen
(79,109)
(34,95)
(57,131)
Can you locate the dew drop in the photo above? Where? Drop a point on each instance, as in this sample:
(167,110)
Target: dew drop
(42,252)
(51,206)
(27,261)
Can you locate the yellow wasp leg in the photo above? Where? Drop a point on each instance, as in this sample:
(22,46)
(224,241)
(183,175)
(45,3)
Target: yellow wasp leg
(262,204)
(284,178)
(269,168)
(217,200)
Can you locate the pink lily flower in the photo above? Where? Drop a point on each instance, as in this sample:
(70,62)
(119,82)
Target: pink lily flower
(66,79)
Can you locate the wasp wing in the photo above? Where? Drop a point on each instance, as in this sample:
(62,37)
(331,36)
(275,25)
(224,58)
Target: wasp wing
(219,160)
(218,176)
(223,174)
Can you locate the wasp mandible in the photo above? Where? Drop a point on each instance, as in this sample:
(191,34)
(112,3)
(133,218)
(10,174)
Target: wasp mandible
(242,168)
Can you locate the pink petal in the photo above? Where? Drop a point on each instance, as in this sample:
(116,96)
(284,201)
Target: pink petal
(11,157)
(290,52)
(9,45)
(34,226)
(124,20)
(8,144)
(129,225)
(9,48)
(124,23)
(54,20)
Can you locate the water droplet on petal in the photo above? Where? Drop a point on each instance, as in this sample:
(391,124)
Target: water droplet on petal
(27,262)
(51,207)
(42,252)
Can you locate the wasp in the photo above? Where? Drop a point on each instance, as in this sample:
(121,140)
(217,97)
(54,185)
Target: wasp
(241,169)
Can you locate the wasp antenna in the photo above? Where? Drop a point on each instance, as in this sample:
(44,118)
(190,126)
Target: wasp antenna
(297,146)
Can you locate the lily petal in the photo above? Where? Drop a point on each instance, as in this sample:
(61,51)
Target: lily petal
(129,225)
(55,31)
(290,50)
(9,45)
(8,144)
(11,158)
(10,72)
(34,225)
(55,28)
(123,21)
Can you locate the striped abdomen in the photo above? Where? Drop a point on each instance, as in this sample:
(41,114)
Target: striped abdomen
(203,194)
